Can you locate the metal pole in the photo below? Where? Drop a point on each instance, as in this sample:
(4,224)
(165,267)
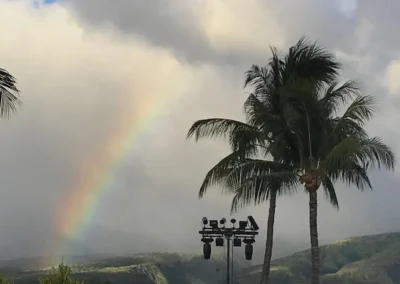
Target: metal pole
(228,262)
(232,257)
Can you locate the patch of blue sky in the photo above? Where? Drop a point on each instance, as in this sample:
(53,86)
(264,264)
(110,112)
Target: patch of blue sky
(38,3)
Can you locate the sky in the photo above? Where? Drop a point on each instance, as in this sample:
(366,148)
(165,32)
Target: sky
(88,68)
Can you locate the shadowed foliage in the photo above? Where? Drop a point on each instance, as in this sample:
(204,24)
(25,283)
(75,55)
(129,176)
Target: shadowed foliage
(4,280)
(325,147)
(60,275)
(9,93)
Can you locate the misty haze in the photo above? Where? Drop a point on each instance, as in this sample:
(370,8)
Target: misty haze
(96,164)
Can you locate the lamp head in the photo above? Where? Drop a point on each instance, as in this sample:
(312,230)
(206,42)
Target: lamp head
(242,225)
(253,223)
(214,224)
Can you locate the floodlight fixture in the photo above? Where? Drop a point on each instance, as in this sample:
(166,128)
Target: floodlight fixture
(249,240)
(207,250)
(219,242)
(214,224)
(248,251)
(242,225)
(217,230)
(253,223)
(237,242)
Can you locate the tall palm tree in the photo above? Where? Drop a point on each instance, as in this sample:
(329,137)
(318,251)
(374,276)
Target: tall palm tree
(325,148)
(248,171)
(250,141)
(316,146)
(9,92)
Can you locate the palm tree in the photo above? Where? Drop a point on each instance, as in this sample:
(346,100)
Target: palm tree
(325,148)
(262,178)
(9,92)
(248,172)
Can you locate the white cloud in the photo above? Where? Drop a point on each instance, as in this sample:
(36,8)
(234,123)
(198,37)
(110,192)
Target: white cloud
(391,78)
(244,26)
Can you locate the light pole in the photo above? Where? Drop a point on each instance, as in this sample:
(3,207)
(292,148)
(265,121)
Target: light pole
(245,233)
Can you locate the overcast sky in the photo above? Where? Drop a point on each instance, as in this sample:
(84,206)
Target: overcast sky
(86,67)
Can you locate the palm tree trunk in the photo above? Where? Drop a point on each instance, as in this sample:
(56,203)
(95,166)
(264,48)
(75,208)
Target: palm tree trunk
(270,238)
(314,238)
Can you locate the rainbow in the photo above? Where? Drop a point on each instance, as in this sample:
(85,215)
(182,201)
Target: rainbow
(96,175)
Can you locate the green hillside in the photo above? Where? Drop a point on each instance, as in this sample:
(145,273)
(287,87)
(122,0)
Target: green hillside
(368,260)
(143,268)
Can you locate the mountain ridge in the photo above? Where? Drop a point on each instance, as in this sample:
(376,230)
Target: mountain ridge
(362,259)
(369,259)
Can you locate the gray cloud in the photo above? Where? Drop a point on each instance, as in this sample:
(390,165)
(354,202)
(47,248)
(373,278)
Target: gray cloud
(177,24)
(172,25)
(93,68)
(162,23)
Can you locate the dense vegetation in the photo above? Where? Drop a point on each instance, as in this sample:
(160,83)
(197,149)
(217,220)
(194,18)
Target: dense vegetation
(368,260)
(142,268)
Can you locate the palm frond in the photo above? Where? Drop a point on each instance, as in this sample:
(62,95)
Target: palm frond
(276,66)
(336,97)
(360,110)
(250,167)
(310,61)
(250,192)
(330,191)
(351,158)
(235,132)
(273,173)
(9,101)
(218,174)
(286,148)
(369,152)
(375,154)
(260,115)
(355,174)
(334,133)
(259,78)
(8,81)
(256,189)
(342,155)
